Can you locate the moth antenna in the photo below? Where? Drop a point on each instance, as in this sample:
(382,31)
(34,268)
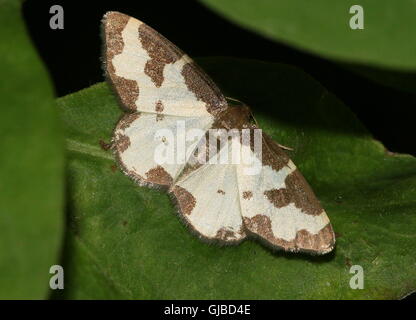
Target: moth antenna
(255,120)
(285,148)
(233,99)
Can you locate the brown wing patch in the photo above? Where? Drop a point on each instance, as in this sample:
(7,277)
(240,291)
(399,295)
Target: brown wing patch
(272,154)
(159,175)
(159,106)
(161,52)
(186,200)
(324,239)
(225,234)
(322,242)
(204,88)
(247,195)
(127,120)
(297,191)
(127,90)
(122,142)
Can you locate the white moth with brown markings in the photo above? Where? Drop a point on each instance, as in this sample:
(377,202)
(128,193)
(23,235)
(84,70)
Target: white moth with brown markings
(159,85)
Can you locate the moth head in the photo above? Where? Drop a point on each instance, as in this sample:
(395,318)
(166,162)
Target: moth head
(237,116)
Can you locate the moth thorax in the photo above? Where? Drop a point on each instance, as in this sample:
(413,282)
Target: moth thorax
(236,116)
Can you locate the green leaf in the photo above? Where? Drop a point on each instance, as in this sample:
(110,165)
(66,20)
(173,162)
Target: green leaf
(31,165)
(323,27)
(403,81)
(125,241)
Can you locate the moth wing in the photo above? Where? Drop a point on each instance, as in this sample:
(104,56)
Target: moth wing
(279,206)
(146,145)
(151,74)
(207,199)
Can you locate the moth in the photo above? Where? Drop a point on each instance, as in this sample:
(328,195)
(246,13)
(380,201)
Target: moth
(160,86)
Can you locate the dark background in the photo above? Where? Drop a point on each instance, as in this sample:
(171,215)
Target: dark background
(72,56)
